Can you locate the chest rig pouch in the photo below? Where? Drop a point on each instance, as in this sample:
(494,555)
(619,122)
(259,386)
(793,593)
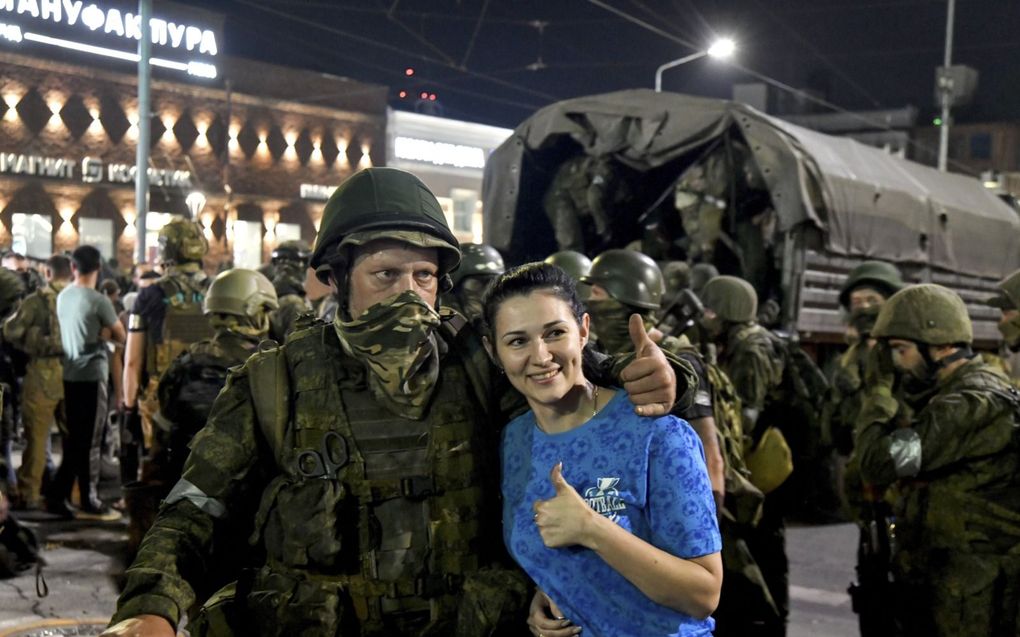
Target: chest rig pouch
(371,512)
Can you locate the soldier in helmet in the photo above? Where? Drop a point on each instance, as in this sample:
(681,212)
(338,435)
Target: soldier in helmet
(165,319)
(1008,302)
(290,266)
(941,425)
(576,265)
(624,283)
(238,305)
(752,359)
(367,446)
(479,264)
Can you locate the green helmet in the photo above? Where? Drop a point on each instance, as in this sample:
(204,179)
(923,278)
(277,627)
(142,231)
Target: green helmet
(478,259)
(383,203)
(240,292)
(926,313)
(701,274)
(573,263)
(181,241)
(294,251)
(731,298)
(677,275)
(882,276)
(630,277)
(1008,296)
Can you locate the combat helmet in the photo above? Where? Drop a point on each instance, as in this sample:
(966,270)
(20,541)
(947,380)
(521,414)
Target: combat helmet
(676,275)
(731,298)
(702,273)
(573,263)
(295,251)
(1008,297)
(882,276)
(630,277)
(240,292)
(181,241)
(382,203)
(478,259)
(926,313)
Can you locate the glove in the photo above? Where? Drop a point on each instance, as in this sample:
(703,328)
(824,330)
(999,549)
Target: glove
(879,370)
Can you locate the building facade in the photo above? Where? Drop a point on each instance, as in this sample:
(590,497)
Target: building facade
(249,151)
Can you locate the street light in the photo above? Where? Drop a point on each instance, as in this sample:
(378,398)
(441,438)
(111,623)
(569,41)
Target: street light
(720,49)
(195,201)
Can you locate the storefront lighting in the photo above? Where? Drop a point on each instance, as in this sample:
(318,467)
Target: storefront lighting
(195,201)
(366,157)
(168,131)
(197,69)
(66,214)
(232,143)
(202,128)
(316,150)
(291,139)
(341,144)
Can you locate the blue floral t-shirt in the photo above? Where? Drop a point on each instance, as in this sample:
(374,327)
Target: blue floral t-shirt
(646,474)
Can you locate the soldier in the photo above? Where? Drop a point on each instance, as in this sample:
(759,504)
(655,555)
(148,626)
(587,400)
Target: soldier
(866,288)
(576,265)
(34,330)
(368,447)
(1008,301)
(165,318)
(751,358)
(12,288)
(289,269)
(479,264)
(238,304)
(586,188)
(623,283)
(941,425)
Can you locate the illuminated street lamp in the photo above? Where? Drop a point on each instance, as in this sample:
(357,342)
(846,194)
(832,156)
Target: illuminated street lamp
(195,201)
(721,49)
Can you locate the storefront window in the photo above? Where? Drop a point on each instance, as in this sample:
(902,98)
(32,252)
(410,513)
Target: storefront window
(97,233)
(464,204)
(32,235)
(247,244)
(288,232)
(154,222)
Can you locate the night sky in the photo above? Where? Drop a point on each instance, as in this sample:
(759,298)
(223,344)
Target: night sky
(497,61)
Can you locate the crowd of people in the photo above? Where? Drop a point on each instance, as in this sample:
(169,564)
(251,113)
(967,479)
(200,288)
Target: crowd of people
(631,430)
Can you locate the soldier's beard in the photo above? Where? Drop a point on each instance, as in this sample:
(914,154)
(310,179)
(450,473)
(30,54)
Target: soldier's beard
(1010,331)
(863,319)
(396,340)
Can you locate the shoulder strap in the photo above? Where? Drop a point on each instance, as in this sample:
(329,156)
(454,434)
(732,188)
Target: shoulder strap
(457,333)
(270,392)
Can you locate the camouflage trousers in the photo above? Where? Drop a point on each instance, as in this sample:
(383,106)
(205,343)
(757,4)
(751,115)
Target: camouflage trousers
(962,595)
(42,392)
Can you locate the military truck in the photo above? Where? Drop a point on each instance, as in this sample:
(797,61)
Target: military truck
(790,209)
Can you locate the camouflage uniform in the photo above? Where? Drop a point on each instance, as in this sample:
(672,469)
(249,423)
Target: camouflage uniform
(168,315)
(34,330)
(479,265)
(749,356)
(290,265)
(1008,300)
(589,188)
(11,291)
(953,454)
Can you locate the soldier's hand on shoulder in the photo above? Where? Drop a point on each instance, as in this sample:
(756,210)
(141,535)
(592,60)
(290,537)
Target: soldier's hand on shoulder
(648,379)
(141,626)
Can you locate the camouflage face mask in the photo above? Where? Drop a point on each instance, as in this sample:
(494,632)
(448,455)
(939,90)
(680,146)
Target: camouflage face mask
(396,340)
(609,320)
(863,319)
(1010,331)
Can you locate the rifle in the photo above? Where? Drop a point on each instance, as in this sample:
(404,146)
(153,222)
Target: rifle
(872,593)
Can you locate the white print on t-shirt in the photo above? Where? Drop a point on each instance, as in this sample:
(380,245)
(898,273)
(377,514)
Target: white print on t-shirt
(605,498)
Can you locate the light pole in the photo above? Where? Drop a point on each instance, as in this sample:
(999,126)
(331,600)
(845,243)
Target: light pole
(945,89)
(720,49)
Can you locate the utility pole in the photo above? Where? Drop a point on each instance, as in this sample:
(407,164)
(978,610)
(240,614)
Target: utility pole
(946,89)
(144,127)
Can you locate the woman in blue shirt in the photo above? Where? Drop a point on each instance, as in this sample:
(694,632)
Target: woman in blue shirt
(610,513)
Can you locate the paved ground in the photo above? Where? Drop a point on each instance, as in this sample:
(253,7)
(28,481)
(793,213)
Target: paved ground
(83,559)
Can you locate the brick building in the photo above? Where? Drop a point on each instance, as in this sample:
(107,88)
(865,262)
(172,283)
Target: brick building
(261,143)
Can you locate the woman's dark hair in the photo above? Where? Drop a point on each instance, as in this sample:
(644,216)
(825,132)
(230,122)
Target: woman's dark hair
(522,280)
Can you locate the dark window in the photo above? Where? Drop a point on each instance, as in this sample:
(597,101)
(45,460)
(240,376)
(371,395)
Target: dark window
(981,146)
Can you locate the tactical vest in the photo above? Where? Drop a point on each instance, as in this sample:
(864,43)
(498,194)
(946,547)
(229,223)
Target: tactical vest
(183,324)
(394,531)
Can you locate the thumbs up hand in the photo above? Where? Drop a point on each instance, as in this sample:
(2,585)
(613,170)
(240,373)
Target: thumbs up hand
(648,379)
(565,519)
